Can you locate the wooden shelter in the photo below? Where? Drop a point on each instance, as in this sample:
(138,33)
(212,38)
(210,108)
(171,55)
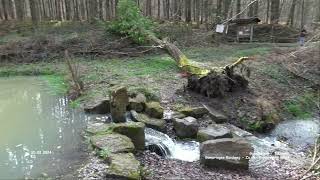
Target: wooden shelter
(245,27)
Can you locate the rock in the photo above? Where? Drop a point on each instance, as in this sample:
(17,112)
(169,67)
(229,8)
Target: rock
(112,143)
(118,103)
(213,131)
(217,116)
(238,132)
(178,115)
(133,130)
(157,124)
(100,128)
(269,115)
(101,107)
(137,103)
(228,153)
(186,127)
(154,109)
(196,112)
(123,166)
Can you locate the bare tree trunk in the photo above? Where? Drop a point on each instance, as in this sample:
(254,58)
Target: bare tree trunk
(302,14)
(275,11)
(34,12)
(219,10)
(76,10)
(19,9)
(227,4)
(148,8)
(188,11)
(238,8)
(268,11)
(159,9)
(290,19)
(197,13)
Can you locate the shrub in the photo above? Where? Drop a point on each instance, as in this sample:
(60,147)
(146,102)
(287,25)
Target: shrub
(131,22)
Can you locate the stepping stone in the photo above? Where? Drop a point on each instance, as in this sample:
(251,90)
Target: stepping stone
(113,143)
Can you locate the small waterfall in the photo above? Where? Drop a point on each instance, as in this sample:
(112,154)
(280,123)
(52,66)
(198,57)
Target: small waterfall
(163,145)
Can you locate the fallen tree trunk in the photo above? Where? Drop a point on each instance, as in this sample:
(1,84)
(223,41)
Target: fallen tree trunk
(211,82)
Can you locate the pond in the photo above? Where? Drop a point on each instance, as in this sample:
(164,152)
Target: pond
(38,132)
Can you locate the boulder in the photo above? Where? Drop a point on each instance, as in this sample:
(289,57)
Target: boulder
(133,130)
(157,124)
(213,131)
(100,107)
(112,143)
(154,109)
(123,166)
(228,153)
(137,103)
(196,112)
(186,127)
(118,103)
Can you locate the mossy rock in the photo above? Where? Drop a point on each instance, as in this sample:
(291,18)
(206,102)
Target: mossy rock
(269,117)
(154,109)
(100,129)
(138,103)
(196,112)
(113,143)
(133,130)
(123,166)
(157,124)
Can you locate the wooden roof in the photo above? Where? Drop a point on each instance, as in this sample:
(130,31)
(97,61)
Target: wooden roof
(243,21)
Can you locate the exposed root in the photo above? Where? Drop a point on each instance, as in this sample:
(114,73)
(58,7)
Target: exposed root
(216,85)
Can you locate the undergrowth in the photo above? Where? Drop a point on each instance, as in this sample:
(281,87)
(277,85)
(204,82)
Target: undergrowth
(301,106)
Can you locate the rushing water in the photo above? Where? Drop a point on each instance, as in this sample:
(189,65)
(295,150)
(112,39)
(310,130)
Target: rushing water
(38,133)
(182,150)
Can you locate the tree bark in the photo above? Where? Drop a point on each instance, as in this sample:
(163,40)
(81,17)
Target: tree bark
(275,11)
(19,9)
(188,11)
(238,8)
(34,12)
(290,19)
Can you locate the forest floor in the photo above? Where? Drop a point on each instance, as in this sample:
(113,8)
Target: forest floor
(105,60)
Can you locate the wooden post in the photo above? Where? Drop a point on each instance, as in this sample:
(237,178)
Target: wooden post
(251,32)
(238,34)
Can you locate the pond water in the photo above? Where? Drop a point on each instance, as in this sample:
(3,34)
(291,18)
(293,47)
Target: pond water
(38,132)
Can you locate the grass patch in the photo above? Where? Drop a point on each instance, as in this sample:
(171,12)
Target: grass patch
(28,70)
(301,106)
(225,55)
(276,72)
(56,83)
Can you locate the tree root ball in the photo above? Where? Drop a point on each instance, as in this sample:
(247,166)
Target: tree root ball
(216,84)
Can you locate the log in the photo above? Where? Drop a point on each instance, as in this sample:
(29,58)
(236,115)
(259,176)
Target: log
(211,82)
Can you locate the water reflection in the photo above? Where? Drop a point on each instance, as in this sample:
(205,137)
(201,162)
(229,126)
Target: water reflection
(37,129)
